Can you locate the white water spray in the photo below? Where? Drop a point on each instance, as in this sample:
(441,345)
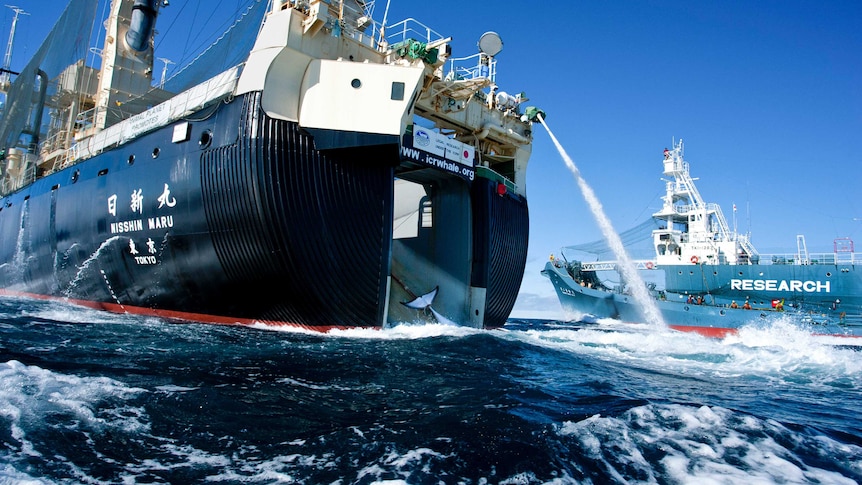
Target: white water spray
(86,264)
(626,266)
(20,258)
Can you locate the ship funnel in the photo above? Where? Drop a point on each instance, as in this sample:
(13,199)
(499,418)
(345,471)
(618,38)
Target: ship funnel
(142,24)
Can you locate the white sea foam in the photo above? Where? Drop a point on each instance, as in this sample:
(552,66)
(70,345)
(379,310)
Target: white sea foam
(10,476)
(180,457)
(690,444)
(278,469)
(308,385)
(30,394)
(400,463)
(778,351)
(407,331)
(398,331)
(172,388)
(68,312)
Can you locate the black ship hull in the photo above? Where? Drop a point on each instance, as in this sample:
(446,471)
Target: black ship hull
(243,220)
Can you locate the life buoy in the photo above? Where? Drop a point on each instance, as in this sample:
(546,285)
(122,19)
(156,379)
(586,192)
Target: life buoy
(648,265)
(694,260)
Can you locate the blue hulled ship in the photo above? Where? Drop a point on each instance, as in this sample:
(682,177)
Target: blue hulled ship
(706,278)
(324,175)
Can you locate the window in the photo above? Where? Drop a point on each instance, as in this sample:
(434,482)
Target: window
(397,91)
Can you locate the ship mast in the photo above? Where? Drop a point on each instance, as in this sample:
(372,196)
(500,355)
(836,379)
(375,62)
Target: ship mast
(697,231)
(7,60)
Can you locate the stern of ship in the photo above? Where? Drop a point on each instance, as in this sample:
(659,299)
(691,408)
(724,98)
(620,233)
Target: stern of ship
(456,147)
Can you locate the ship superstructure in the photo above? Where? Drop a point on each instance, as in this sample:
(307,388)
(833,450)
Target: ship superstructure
(694,231)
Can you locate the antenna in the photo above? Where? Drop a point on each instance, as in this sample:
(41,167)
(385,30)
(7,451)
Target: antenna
(382,40)
(164,70)
(7,60)
(734,221)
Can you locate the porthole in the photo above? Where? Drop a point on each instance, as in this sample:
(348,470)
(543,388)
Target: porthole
(206,139)
(722,312)
(740,273)
(156,152)
(356,83)
(131,160)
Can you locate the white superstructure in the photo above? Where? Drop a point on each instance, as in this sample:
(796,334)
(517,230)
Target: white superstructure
(695,232)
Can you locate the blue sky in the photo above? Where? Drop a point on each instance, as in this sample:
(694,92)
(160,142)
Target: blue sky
(767,96)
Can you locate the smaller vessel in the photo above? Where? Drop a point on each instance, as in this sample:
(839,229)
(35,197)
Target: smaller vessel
(709,279)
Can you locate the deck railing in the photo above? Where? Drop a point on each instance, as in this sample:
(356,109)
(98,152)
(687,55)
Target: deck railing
(830,259)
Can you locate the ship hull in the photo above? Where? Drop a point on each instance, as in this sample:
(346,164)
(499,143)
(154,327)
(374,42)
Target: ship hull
(821,287)
(714,317)
(233,217)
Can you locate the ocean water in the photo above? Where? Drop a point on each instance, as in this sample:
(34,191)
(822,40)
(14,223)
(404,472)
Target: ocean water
(90,397)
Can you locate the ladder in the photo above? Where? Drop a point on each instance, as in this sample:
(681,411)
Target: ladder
(801,250)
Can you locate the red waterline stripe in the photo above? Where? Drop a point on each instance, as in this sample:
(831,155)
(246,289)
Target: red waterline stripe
(173,315)
(713,332)
(724,332)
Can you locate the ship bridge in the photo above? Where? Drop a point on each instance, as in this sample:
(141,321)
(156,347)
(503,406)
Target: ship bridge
(694,232)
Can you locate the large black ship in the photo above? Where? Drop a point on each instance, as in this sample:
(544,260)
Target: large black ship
(331,176)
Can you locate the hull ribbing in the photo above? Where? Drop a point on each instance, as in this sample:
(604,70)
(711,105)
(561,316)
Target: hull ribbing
(501,228)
